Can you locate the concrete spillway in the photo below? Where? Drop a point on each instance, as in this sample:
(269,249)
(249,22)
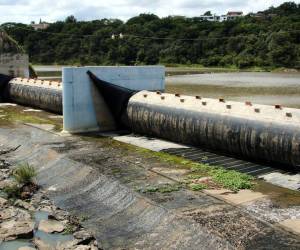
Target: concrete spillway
(251,131)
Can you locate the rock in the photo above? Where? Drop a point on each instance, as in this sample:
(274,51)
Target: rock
(25,195)
(26,248)
(48,209)
(4,174)
(41,245)
(83,237)
(52,217)
(51,226)
(6,183)
(67,245)
(3,202)
(70,246)
(14,213)
(4,164)
(23,204)
(82,247)
(60,215)
(28,190)
(16,229)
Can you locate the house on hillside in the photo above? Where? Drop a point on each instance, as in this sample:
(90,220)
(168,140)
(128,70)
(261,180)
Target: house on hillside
(39,26)
(210,18)
(231,15)
(234,14)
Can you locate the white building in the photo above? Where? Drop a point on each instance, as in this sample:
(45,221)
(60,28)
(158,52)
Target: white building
(211,18)
(231,15)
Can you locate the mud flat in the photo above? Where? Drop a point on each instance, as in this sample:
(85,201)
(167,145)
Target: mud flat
(135,199)
(257,87)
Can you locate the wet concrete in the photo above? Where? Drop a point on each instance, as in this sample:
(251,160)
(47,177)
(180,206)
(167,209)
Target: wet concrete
(92,177)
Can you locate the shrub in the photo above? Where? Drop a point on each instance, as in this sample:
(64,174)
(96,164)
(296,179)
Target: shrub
(24,174)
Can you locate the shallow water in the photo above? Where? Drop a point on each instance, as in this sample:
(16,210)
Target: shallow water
(50,239)
(262,88)
(15,244)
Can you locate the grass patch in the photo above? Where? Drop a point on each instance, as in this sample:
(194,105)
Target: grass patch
(69,229)
(221,177)
(24,186)
(197,186)
(16,114)
(24,174)
(200,167)
(231,179)
(165,188)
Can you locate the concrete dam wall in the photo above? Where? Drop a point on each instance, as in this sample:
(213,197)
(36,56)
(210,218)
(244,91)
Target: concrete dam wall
(257,132)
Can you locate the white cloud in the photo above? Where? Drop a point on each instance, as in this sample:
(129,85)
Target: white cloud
(52,10)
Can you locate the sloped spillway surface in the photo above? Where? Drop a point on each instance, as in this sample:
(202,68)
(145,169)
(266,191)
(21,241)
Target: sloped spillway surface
(100,183)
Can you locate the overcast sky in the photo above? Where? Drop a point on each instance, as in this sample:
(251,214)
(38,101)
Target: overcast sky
(52,10)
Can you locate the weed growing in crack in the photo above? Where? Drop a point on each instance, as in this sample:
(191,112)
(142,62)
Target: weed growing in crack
(231,179)
(24,174)
(164,188)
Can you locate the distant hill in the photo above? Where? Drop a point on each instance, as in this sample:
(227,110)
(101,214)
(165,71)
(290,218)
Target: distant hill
(266,39)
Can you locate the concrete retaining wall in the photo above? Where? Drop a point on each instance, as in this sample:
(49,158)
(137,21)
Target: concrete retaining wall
(83,106)
(16,65)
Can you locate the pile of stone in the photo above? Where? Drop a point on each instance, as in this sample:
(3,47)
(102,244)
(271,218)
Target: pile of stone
(17,221)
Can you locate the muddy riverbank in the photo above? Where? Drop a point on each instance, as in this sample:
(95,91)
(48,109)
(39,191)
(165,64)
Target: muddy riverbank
(261,88)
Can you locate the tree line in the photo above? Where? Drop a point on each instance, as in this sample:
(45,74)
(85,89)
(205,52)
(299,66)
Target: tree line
(267,39)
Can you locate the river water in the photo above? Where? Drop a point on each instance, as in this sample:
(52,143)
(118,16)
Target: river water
(261,88)
(257,87)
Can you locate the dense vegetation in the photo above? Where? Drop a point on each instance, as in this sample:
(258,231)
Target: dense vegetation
(268,40)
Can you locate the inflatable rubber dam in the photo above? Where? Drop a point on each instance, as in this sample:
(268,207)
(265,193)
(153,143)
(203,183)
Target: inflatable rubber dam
(251,131)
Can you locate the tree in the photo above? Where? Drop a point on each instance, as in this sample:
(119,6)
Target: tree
(71,19)
(282,52)
(244,42)
(207,13)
